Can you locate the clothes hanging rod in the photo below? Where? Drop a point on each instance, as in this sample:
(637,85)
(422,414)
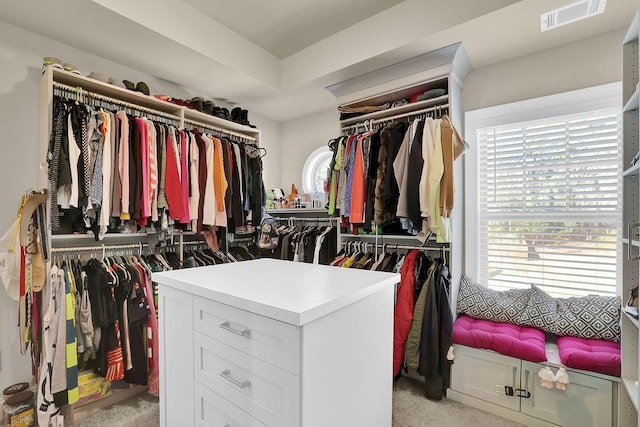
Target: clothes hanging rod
(98,248)
(194,243)
(392,246)
(222,130)
(397,116)
(295,218)
(80,92)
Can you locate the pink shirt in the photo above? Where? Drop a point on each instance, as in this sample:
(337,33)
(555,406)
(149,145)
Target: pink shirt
(184,177)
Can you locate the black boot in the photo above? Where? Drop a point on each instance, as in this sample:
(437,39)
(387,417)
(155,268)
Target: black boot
(235,114)
(244,117)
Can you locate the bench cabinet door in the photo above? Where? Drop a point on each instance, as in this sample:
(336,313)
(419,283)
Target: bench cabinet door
(587,401)
(484,374)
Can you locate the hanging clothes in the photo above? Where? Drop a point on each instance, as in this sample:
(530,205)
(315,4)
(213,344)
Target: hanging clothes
(389,181)
(437,335)
(114,172)
(403,311)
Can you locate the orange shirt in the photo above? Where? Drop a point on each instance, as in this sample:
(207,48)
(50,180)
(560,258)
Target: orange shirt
(220,183)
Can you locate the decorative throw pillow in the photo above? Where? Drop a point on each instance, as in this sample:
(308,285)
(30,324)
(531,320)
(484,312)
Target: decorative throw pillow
(588,317)
(483,303)
(541,311)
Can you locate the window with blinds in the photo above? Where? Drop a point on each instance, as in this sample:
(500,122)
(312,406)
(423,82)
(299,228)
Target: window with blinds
(550,204)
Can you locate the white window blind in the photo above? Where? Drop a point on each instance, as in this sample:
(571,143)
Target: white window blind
(550,204)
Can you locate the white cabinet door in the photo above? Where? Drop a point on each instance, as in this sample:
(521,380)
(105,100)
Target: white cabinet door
(176,357)
(586,402)
(484,375)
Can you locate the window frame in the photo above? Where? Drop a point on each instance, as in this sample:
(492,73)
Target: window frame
(561,104)
(311,164)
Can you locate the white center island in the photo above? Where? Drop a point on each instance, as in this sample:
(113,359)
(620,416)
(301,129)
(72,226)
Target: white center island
(276,343)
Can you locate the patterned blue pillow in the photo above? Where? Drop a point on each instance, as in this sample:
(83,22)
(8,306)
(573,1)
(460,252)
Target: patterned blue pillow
(481,302)
(596,317)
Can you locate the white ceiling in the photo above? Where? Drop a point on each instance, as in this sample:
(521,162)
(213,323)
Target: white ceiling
(275,57)
(284,27)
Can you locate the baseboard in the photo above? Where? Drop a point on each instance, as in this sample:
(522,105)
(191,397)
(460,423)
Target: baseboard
(497,410)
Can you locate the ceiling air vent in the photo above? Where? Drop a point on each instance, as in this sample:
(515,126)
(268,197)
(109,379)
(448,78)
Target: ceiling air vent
(574,12)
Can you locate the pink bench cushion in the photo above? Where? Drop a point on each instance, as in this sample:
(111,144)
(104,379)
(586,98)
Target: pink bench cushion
(590,355)
(521,342)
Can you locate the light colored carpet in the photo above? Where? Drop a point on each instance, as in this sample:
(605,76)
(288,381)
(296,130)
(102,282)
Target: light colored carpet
(139,411)
(410,409)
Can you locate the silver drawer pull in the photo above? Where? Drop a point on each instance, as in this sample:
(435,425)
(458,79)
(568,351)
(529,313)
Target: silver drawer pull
(226,374)
(227,327)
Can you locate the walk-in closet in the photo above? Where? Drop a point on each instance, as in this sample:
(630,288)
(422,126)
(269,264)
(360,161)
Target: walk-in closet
(361,213)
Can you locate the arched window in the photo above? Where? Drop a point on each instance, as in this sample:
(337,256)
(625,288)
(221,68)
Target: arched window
(314,172)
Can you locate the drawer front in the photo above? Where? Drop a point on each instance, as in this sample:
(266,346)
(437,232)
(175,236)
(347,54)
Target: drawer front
(587,401)
(269,394)
(213,410)
(274,342)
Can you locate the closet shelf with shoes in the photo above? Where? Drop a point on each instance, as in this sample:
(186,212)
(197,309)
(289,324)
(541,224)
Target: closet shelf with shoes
(85,101)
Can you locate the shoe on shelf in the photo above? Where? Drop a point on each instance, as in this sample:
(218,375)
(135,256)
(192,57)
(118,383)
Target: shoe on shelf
(71,68)
(140,87)
(219,112)
(101,77)
(50,61)
(143,88)
(198,103)
(235,114)
(244,117)
(209,107)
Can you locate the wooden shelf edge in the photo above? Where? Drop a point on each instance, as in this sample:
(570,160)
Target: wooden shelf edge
(633,320)
(199,116)
(634,101)
(632,390)
(148,101)
(632,171)
(116,92)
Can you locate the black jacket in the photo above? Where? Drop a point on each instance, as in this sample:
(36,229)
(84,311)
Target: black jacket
(437,335)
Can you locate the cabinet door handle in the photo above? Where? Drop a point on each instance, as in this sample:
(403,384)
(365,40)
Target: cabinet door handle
(226,374)
(246,332)
(524,392)
(513,383)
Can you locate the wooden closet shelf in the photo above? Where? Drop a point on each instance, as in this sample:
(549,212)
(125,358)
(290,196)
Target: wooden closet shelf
(390,112)
(634,101)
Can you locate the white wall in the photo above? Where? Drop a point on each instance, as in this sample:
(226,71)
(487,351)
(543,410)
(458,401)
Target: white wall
(299,138)
(271,140)
(21,55)
(585,63)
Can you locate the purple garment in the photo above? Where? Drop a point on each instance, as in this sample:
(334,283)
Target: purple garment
(352,159)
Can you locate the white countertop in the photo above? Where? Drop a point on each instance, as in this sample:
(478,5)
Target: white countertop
(292,292)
